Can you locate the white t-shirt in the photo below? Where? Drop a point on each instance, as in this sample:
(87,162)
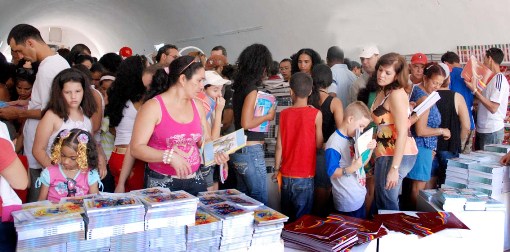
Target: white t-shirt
(496,91)
(48,69)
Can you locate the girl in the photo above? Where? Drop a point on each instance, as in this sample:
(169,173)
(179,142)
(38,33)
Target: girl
(74,171)
(304,61)
(170,128)
(70,106)
(396,150)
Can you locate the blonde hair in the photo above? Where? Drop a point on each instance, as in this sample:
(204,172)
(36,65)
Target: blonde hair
(79,140)
(357,110)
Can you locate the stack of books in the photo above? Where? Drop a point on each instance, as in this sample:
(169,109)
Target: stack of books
(276,87)
(467,199)
(237,225)
(490,178)
(457,172)
(48,227)
(500,148)
(205,234)
(268,226)
(366,230)
(167,214)
(451,200)
(317,234)
(116,216)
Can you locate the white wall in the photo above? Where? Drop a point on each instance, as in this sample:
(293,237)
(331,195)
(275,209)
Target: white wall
(429,26)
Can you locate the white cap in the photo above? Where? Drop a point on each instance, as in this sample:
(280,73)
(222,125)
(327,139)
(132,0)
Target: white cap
(446,69)
(213,78)
(369,51)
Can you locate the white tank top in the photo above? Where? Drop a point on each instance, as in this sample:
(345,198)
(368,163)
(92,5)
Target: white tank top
(125,128)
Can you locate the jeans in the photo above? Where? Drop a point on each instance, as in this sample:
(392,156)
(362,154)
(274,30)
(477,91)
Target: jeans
(251,173)
(439,165)
(388,199)
(297,197)
(360,213)
(483,139)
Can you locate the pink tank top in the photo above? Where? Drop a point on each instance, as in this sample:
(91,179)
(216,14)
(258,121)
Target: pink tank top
(183,137)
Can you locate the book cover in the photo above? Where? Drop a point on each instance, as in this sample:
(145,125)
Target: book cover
(221,192)
(431,99)
(263,104)
(361,144)
(150,191)
(227,144)
(243,201)
(202,217)
(267,215)
(226,210)
(477,69)
(211,199)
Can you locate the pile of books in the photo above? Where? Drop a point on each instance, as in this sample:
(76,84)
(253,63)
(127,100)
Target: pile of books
(317,234)
(205,234)
(366,230)
(167,215)
(43,226)
(500,148)
(268,226)
(237,222)
(451,200)
(116,215)
(467,199)
(276,87)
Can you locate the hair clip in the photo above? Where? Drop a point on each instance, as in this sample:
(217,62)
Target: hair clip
(65,133)
(83,138)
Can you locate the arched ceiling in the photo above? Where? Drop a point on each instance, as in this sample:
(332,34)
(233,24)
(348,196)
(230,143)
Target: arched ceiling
(284,26)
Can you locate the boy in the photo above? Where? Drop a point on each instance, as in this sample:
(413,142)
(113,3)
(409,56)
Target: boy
(299,135)
(345,171)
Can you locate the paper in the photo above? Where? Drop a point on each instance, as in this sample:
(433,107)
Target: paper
(361,144)
(227,144)
(477,69)
(427,103)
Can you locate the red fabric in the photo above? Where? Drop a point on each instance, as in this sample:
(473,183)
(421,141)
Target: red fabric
(22,194)
(135,179)
(297,129)
(8,154)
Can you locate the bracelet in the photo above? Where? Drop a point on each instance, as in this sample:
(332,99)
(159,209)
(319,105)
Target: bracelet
(167,156)
(441,131)
(169,159)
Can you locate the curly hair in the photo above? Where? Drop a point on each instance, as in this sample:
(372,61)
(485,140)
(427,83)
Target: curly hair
(57,103)
(253,63)
(87,158)
(401,70)
(322,78)
(111,61)
(128,85)
(316,59)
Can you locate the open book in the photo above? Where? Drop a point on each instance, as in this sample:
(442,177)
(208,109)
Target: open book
(427,103)
(477,69)
(227,144)
(361,143)
(263,104)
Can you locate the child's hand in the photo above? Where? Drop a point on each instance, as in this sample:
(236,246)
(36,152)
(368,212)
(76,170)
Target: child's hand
(356,164)
(220,104)
(372,144)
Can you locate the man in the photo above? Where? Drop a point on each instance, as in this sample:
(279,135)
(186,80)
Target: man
(285,69)
(368,57)
(493,102)
(167,54)
(219,50)
(458,85)
(26,41)
(418,62)
(356,68)
(342,76)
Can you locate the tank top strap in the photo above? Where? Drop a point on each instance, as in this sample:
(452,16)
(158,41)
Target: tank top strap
(164,112)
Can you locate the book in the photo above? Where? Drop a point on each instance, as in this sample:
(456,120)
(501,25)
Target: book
(227,144)
(432,98)
(361,144)
(263,104)
(477,69)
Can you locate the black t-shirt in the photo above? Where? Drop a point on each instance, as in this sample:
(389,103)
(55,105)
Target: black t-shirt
(237,103)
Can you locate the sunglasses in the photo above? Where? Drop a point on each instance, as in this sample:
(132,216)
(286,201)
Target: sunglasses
(71,187)
(22,70)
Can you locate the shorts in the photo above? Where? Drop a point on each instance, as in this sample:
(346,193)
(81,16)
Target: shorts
(211,174)
(422,167)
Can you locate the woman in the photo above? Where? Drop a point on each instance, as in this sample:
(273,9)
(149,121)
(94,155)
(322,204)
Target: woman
(396,150)
(249,163)
(454,116)
(332,116)
(125,97)
(304,61)
(171,127)
(426,129)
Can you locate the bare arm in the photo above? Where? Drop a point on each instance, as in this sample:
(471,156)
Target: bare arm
(490,105)
(43,193)
(12,113)
(16,175)
(338,112)
(97,117)
(319,138)
(278,155)
(248,121)
(45,128)
(94,188)
(127,167)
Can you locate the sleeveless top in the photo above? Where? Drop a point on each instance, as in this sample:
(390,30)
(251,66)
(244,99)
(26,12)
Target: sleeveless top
(450,120)
(125,128)
(86,124)
(328,120)
(238,98)
(433,121)
(297,130)
(182,137)
(387,133)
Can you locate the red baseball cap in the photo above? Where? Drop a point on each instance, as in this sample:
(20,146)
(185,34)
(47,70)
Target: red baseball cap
(419,58)
(125,52)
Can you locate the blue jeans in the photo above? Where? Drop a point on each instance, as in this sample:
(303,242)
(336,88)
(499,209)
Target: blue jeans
(8,236)
(388,199)
(297,196)
(483,139)
(251,172)
(439,165)
(360,213)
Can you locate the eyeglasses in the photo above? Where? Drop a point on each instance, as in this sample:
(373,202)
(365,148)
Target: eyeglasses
(23,70)
(193,61)
(71,187)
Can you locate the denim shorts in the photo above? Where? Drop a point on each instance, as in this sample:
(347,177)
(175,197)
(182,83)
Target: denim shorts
(388,199)
(191,185)
(422,167)
(251,172)
(297,197)
(321,179)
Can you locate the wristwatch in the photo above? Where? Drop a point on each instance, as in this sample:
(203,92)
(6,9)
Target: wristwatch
(344,172)
(395,167)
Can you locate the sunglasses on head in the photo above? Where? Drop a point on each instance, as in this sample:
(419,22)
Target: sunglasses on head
(184,69)
(71,187)
(22,70)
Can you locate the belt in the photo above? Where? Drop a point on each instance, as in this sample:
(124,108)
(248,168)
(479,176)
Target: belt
(120,150)
(157,175)
(185,177)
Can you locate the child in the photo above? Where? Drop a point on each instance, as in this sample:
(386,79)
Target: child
(299,136)
(345,171)
(74,171)
(213,104)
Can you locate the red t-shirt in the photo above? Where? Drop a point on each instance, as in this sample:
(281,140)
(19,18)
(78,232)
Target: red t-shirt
(8,154)
(297,131)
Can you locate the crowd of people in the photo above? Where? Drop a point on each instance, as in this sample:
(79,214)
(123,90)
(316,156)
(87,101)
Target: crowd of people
(121,123)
